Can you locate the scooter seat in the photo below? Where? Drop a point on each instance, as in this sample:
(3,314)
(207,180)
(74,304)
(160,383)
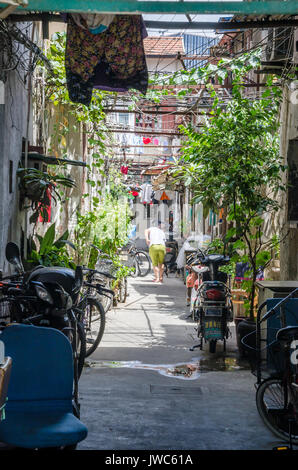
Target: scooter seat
(63,276)
(287,334)
(39,409)
(25,428)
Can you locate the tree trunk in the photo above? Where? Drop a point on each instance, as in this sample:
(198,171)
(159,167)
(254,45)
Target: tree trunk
(252,297)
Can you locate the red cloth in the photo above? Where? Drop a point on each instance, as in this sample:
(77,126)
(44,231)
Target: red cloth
(147,140)
(48,208)
(191,279)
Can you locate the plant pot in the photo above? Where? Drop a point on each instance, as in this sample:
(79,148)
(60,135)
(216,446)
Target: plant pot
(245,327)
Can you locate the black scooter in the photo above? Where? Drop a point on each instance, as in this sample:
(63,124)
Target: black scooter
(170,264)
(212,307)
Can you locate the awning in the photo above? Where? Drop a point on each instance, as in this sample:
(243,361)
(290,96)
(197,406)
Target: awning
(9,6)
(52,160)
(23,3)
(268,7)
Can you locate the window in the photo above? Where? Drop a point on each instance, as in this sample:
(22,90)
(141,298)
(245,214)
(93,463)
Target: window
(123,119)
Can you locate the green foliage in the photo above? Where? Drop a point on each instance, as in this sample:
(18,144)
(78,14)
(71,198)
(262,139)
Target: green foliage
(105,227)
(234,162)
(51,252)
(234,157)
(119,270)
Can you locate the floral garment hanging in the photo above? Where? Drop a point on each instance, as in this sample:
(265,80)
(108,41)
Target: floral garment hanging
(113,60)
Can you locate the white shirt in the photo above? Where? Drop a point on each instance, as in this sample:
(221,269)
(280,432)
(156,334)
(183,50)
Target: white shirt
(156,236)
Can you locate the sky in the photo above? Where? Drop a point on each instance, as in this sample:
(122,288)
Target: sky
(181,18)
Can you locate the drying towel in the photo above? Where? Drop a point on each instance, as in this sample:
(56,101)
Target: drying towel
(95,23)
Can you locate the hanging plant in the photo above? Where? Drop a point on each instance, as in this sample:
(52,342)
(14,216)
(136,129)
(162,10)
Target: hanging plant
(39,187)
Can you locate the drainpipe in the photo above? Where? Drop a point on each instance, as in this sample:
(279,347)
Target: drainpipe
(27,140)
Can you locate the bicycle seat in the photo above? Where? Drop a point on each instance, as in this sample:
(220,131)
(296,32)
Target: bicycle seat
(288,333)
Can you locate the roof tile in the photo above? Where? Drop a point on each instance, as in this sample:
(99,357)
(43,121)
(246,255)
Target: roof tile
(163,45)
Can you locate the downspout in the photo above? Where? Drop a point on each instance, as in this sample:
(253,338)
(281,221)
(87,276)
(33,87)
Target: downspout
(27,141)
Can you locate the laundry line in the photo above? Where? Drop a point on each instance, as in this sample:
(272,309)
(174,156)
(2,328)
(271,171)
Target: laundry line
(153,146)
(143,132)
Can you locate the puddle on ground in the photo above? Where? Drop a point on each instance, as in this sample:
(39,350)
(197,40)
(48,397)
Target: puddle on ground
(187,371)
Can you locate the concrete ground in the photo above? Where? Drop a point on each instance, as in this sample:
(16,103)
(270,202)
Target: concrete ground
(131,399)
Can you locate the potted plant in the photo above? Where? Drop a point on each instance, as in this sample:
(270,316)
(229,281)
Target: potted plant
(48,250)
(258,254)
(39,187)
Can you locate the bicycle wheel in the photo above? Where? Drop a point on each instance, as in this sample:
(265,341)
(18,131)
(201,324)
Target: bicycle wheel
(78,346)
(144,263)
(94,321)
(276,410)
(135,268)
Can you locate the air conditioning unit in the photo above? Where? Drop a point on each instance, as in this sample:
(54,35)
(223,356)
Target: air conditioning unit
(279,44)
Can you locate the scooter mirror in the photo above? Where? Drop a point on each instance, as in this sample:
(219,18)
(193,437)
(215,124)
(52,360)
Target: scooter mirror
(13,256)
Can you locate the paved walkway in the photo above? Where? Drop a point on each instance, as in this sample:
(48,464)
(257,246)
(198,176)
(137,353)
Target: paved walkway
(134,391)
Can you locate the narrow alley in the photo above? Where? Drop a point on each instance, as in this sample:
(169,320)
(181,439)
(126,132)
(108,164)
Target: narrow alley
(148,224)
(134,384)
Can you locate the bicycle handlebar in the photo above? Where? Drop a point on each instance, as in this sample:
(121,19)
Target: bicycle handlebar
(99,287)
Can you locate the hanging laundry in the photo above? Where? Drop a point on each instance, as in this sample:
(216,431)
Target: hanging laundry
(113,60)
(164,197)
(157,195)
(95,23)
(221,215)
(147,140)
(146,193)
(165,145)
(155,141)
(171,195)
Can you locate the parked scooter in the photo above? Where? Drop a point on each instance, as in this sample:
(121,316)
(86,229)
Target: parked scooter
(212,306)
(171,257)
(46,296)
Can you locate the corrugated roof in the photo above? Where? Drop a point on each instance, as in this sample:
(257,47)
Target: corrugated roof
(155,45)
(198,45)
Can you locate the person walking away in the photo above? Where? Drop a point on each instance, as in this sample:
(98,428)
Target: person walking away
(156,240)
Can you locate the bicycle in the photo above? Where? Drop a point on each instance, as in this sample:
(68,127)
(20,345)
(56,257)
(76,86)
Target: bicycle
(138,259)
(90,310)
(103,274)
(276,368)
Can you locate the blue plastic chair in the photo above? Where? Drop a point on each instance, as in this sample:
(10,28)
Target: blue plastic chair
(39,411)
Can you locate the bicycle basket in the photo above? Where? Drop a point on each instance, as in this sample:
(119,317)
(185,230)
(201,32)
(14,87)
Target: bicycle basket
(106,266)
(268,360)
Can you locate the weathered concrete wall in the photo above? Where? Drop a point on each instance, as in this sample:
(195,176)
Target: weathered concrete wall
(12,129)
(289,231)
